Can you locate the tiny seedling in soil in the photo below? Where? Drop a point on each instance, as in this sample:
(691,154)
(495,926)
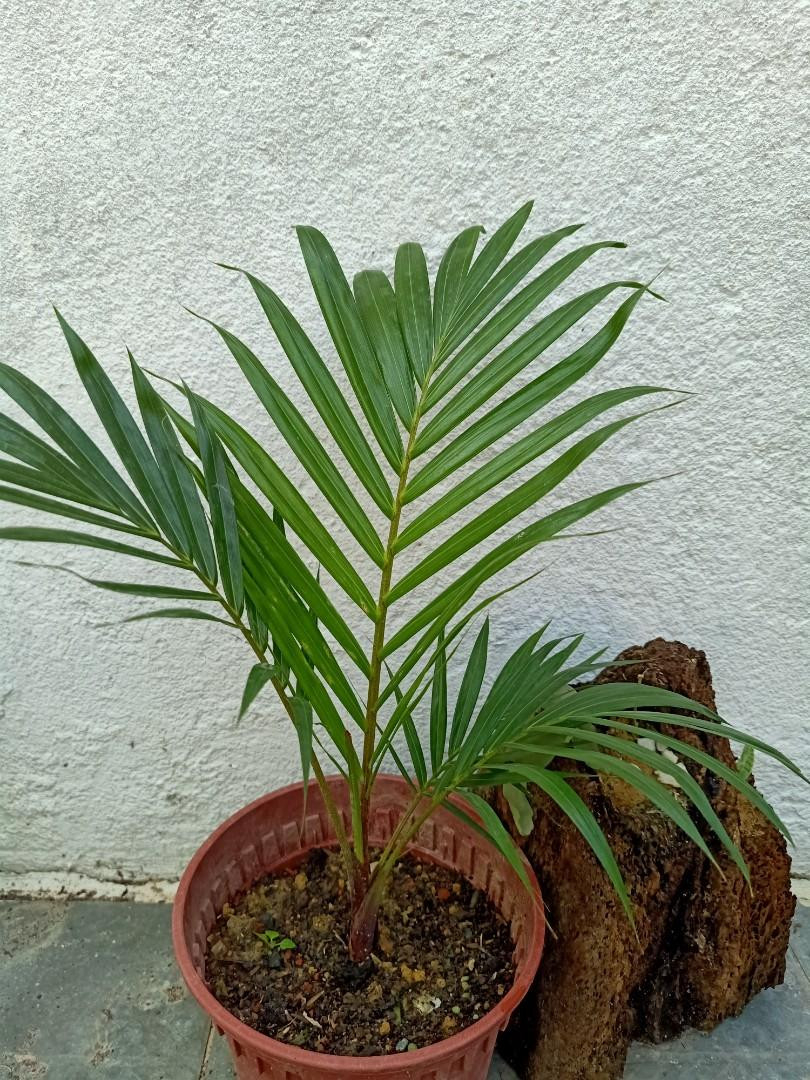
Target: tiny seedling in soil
(273,940)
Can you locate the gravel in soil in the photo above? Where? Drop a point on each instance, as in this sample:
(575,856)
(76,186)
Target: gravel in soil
(277,960)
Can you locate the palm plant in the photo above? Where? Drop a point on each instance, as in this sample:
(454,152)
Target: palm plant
(425,367)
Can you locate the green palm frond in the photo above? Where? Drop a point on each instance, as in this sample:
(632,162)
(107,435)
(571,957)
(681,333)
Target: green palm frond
(531,723)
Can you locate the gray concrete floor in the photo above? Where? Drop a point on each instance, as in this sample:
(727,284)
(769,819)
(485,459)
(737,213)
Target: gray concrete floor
(89,989)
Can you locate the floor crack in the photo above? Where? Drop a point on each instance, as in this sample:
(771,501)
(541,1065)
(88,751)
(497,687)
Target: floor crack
(209,1045)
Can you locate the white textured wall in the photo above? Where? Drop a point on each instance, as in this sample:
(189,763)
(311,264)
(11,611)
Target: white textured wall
(145,140)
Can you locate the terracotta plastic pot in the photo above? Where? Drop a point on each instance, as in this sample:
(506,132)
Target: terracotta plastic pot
(268,837)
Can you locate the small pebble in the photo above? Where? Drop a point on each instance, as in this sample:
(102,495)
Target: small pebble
(402,1044)
(412,975)
(425,1004)
(300,881)
(384,1028)
(443,894)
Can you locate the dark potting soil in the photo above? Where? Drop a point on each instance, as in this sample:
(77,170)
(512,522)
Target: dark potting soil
(442,959)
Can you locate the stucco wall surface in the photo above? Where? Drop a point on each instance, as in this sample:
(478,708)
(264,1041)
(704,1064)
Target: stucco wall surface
(146,141)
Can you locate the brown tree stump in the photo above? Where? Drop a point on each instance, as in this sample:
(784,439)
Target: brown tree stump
(705,944)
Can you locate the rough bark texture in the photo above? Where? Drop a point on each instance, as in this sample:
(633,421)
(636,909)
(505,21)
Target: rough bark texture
(705,945)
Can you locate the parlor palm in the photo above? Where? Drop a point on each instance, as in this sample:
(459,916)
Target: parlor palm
(433,372)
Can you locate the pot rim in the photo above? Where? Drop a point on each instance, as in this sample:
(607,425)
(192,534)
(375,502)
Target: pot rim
(260,1044)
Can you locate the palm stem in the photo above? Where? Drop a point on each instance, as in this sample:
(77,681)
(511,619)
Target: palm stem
(323,786)
(372,701)
(278,686)
(378,644)
(364,920)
